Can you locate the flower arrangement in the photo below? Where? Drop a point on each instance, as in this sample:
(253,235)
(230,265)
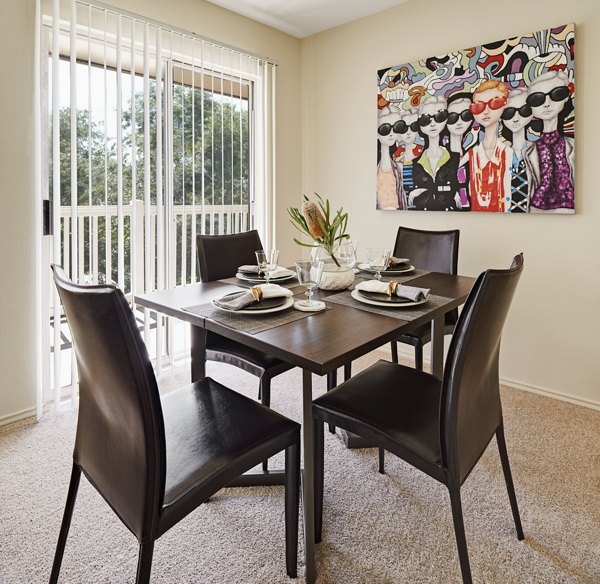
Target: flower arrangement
(316,221)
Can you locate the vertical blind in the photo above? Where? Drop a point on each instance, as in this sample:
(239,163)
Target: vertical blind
(148,135)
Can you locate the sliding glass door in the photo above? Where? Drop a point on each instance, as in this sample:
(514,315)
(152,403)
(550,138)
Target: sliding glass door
(149,136)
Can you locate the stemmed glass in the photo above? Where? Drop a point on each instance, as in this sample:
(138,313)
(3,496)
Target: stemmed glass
(346,254)
(378,260)
(309,274)
(267,261)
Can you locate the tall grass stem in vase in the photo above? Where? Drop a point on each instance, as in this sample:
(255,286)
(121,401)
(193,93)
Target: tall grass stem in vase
(316,220)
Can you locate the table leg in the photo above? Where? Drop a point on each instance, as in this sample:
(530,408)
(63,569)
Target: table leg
(308,485)
(437,346)
(198,352)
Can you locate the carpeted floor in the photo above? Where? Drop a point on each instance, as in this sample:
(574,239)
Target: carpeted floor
(393,528)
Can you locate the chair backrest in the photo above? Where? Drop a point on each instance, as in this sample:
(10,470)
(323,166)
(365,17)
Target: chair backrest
(219,256)
(436,251)
(471,408)
(120,440)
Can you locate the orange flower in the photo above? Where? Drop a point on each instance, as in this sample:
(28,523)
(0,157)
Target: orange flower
(313,215)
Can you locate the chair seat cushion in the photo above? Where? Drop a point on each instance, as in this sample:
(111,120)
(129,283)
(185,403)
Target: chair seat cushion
(225,350)
(398,404)
(213,433)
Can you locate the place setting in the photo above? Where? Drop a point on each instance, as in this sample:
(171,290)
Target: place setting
(243,309)
(389,294)
(265,270)
(380,263)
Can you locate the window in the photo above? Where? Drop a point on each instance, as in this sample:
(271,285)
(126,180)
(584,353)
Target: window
(149,136)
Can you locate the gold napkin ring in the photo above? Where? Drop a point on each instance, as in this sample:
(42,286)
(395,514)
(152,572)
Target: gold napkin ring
(391,289)
(390,262)
(257,293)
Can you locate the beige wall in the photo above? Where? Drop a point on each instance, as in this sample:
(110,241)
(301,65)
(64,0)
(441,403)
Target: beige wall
(551,340)
(17,226)
(327,82)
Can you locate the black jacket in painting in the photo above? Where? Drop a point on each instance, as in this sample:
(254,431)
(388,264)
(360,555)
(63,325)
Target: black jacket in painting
(440,191)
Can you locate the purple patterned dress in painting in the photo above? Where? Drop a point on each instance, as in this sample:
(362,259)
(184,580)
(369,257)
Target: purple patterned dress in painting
(555,190)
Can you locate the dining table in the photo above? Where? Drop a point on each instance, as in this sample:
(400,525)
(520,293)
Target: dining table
(318,343)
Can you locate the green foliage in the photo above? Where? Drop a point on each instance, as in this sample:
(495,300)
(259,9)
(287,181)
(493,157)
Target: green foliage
(333,230)
(211,163)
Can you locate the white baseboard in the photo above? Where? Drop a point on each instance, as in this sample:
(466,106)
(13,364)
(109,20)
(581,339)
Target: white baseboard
(17,416)
(586,403)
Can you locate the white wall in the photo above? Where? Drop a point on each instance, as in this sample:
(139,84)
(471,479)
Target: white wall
(328,82)
(551,342)
(17,226)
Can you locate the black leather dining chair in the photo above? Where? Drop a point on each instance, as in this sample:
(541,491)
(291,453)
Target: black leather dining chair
(435,251)
(219,257)
(441,427)
(154,460)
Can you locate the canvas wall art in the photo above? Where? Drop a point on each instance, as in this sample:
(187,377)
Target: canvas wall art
(489,128)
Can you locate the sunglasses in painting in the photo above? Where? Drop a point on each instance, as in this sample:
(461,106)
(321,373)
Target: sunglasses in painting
(465,116)
(509,113)
(400,127)
(495,103)
(539,98)
(439,117)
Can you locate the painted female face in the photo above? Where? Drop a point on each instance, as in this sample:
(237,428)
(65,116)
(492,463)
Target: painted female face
(517,113)
(412,128)
(385,129)
(487,107)
(547,97)
(459,117)
(432,119)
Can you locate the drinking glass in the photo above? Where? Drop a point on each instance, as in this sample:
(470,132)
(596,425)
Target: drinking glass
(378,260)
(309,274)
(346,254)
(267,261)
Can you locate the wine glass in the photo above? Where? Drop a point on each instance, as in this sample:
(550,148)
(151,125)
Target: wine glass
(378,260)
(346,254)
(267,261)
(309,274)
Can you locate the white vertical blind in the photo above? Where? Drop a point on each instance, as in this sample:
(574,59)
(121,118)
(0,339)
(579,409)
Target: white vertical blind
(154,135)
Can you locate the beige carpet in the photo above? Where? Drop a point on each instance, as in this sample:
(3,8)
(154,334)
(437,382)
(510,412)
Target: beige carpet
(393,528)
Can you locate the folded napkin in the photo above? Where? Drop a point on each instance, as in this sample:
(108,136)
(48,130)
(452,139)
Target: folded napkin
(239,300)
(397,262)
(410,292)
(278,272)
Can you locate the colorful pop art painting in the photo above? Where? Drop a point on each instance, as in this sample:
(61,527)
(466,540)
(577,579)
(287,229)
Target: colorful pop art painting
(485,129)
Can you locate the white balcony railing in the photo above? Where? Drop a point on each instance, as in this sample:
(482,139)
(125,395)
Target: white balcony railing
(96,225)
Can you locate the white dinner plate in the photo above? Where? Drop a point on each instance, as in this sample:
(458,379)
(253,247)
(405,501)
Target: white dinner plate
(258,280)
(288,302)
(356,295)
(367,268)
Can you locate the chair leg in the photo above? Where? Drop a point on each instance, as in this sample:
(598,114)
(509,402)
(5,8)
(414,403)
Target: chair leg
(382,461)
(264,393)
(331,383)
(292,505)
(394,348)
(347,371)
(144,566)
(319,470)
(66,523)
(419,357)
(459,531)
(508,480)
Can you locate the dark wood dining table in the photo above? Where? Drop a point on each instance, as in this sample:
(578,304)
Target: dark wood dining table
(318,344)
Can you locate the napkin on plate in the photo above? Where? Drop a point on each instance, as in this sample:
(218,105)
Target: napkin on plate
(239,300)
(397,263)
(411,292)
(278,272)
